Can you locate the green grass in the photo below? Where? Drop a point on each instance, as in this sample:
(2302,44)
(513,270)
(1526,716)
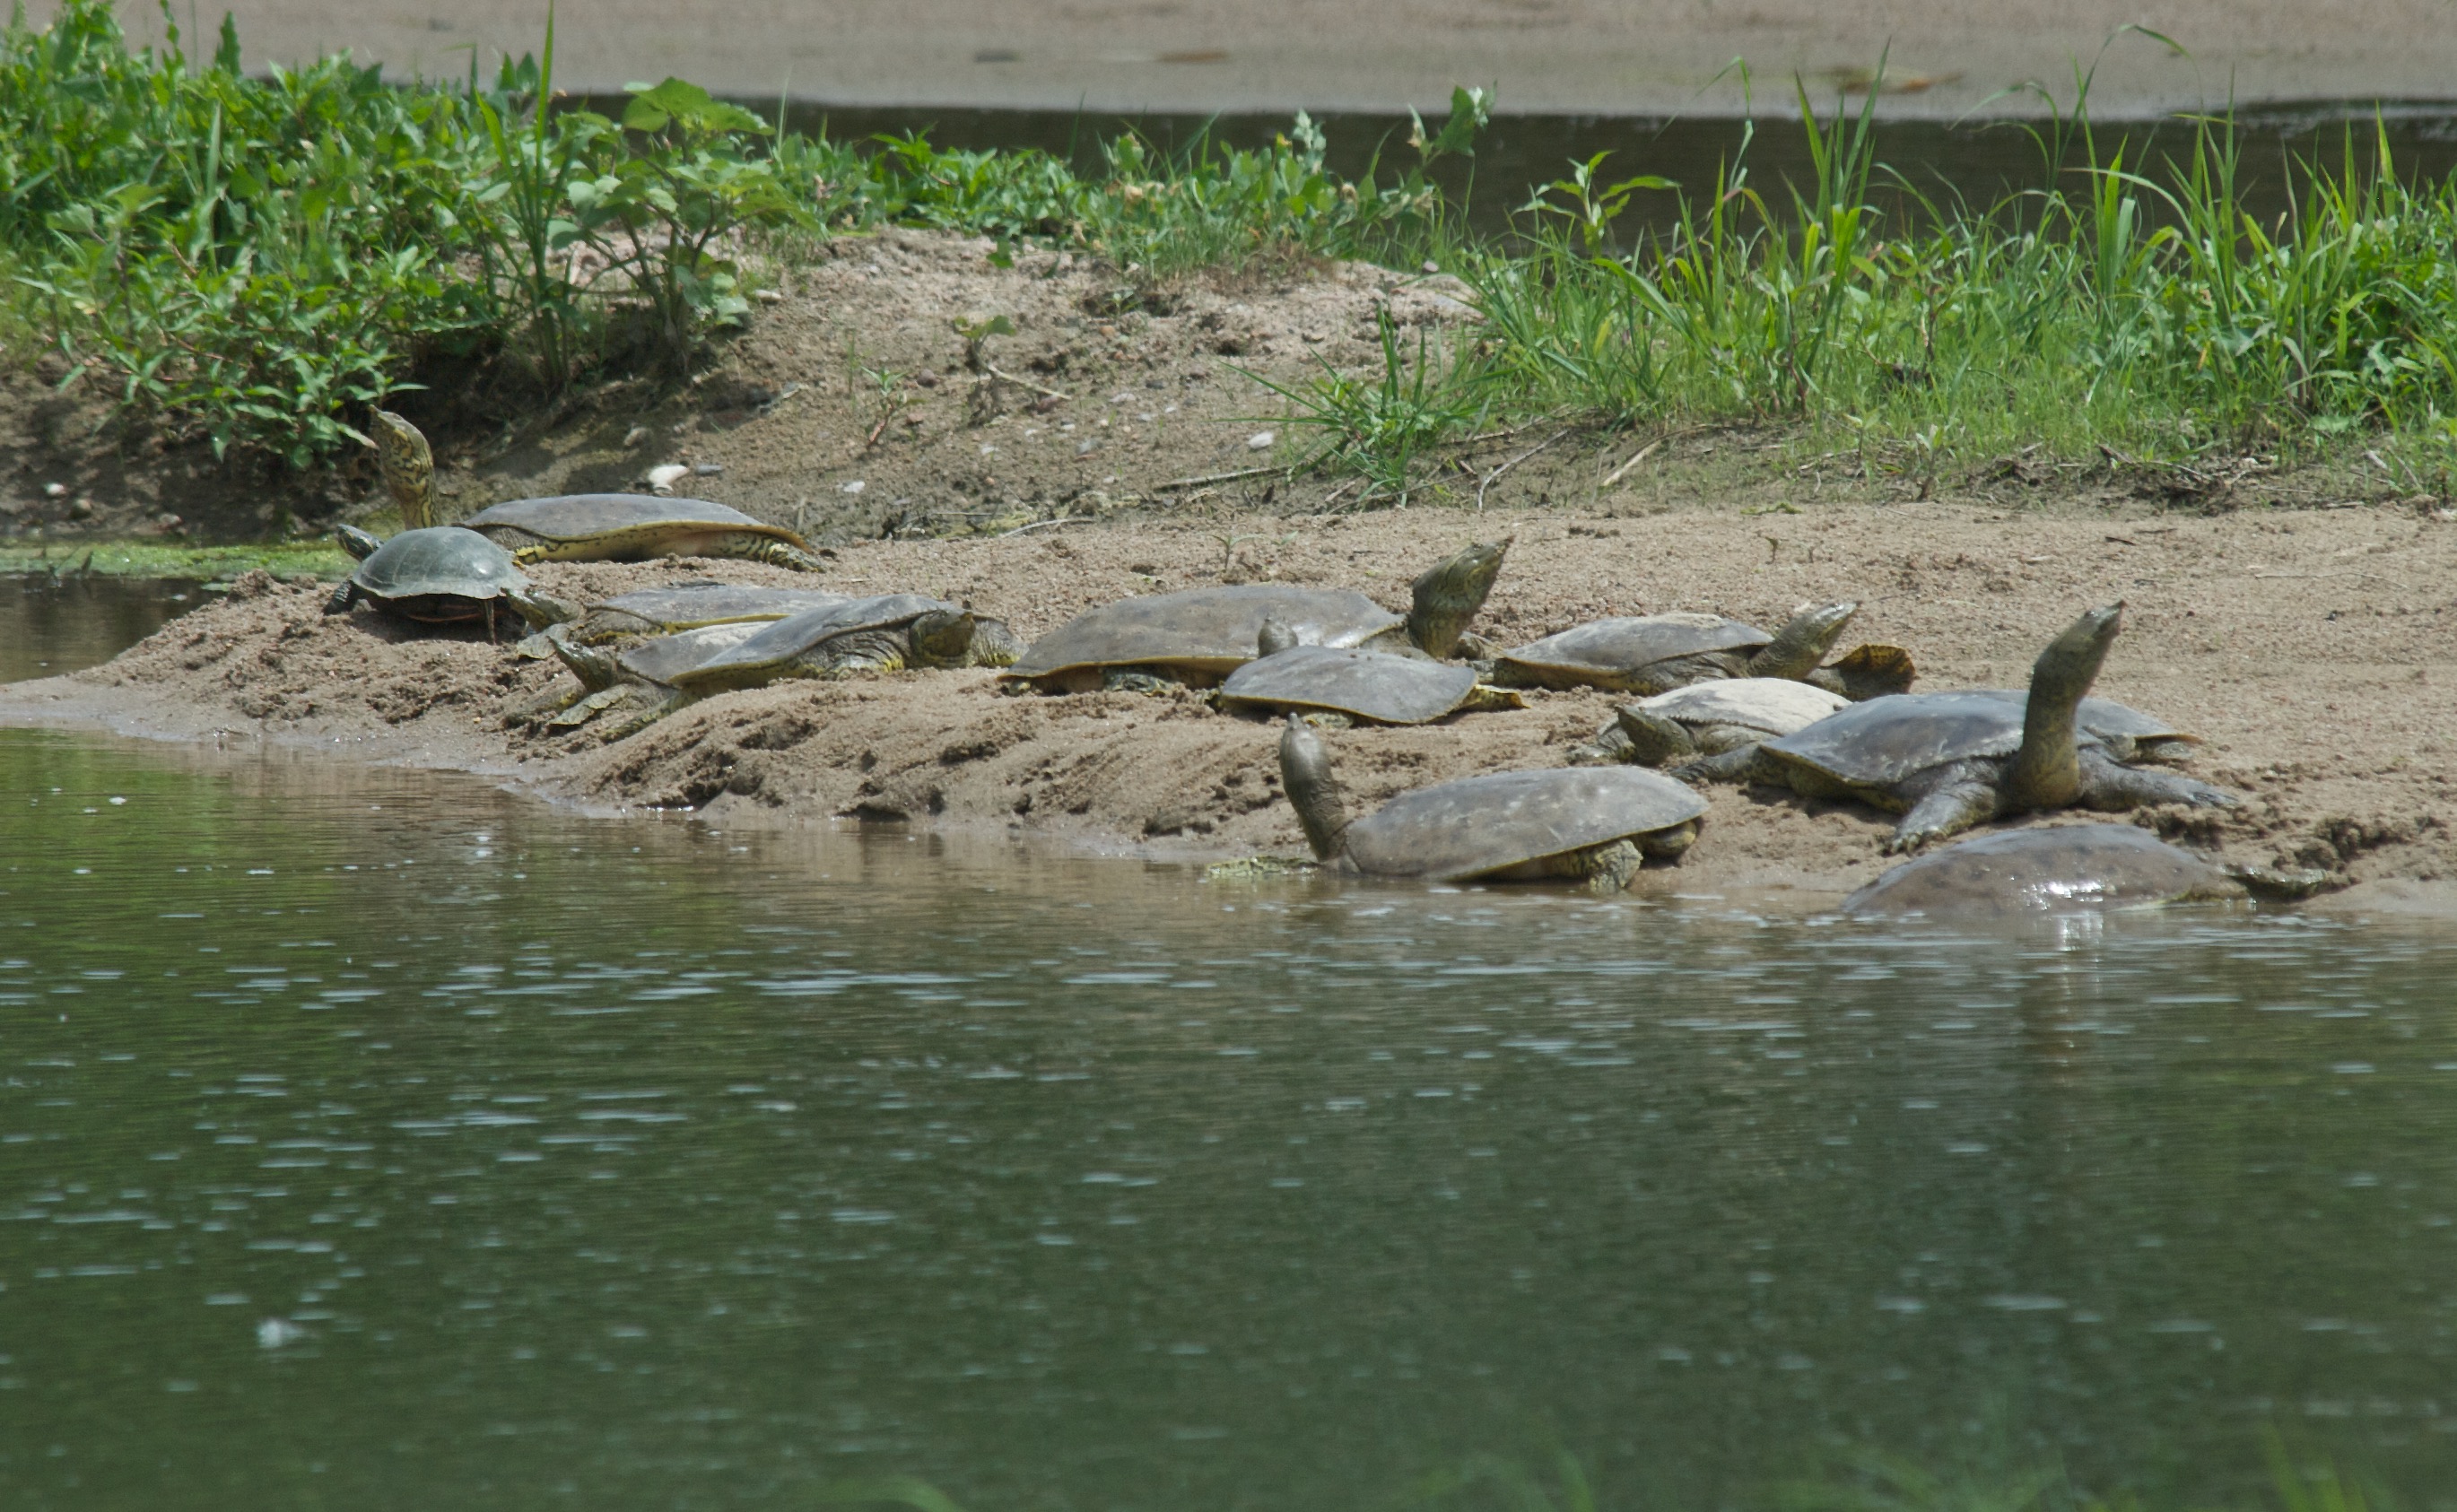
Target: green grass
(126,558)
(258,259)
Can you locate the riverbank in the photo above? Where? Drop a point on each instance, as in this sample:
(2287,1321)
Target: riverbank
(2312,651)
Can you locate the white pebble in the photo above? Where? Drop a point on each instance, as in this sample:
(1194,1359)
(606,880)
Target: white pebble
(1261,441)
(663,476)
(856,486)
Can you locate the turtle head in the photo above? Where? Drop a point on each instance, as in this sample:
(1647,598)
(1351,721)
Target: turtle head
(358,543)
(1273,638)
(1313,791)
(994,644)
(943,638)
(408,468)
(2046,772)
(1803,642)
(594,666)
(541,608)
(1447,597)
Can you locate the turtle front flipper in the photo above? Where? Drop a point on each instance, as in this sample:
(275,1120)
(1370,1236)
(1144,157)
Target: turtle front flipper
(1954,806)
(1609,868)
(579,711)
(648,714)
(1742,764)
(344,596)
(2111,787)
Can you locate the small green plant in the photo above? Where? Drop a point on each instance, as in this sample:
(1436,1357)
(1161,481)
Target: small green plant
(1378,428)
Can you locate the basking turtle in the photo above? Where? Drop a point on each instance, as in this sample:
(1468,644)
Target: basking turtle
(1199,635)
(636,676)
(1657,653)
(690,606)
(1599,824)
(2064,868)
(1705,719)
(891,633)
(588,527)
(439,576)
(2128,735)
(1948,761)
(1336,684)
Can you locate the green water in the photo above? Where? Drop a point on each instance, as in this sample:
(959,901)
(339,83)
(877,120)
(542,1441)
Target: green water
(376,1141)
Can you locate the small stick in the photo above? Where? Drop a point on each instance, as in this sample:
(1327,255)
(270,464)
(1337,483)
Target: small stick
(1622,471)
(1002,373)
(1512,462)
(881,428)
(1038,524)
(1209,479)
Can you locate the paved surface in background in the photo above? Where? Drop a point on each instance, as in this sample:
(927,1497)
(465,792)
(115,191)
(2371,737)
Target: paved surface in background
(1598,57)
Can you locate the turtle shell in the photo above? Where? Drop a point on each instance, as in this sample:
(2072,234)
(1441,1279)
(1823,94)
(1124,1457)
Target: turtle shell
(689,605)
(1775,704)
(2118,725)
(1369,685)
(2025,874)
(1204,629)
(1614,647)
(623,523)
(1465,828)
(1884,743)
(438,562)
(669,657)
(786,639)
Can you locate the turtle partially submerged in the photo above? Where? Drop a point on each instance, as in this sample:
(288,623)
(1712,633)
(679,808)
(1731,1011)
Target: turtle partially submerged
(439,575)
(1198,636)
(1335,685)
(889,633)
(1595,823)
(1706,719)
(2044,870)
(588,527)
(1948,761)
(1656,653)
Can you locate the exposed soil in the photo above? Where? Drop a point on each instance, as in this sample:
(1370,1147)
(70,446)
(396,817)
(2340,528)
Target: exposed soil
(2316,652)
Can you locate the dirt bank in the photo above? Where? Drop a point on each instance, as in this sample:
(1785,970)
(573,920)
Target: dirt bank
(2316,652)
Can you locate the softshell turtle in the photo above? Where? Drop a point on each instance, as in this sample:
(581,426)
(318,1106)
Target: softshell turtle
(889,633)
(2128,735)
(1707,718)
(588,527)
(2030,872)
(1656,653)
(1948,761)
(1599,824)
(1199,635)
(1335,683)
(690,606)
(439,576)
(636,676)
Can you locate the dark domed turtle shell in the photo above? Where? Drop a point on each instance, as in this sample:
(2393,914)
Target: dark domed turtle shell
(2044,870)
(1364,684)
(636,527)
(440,574)
(1205,631)
(1482,825)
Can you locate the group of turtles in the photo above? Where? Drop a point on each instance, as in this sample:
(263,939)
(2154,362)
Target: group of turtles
(1713,700)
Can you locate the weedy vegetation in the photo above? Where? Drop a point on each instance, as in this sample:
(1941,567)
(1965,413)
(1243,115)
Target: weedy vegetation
(255,259)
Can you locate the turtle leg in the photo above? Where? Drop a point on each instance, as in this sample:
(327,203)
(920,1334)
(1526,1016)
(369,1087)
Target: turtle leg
(343,597)
(1609,868)
(784,554)
(646,717)
(577,711)
(2110,786)
(1126,680)
(1963,799)
(1607,746)
(1668,845)
(1742,764)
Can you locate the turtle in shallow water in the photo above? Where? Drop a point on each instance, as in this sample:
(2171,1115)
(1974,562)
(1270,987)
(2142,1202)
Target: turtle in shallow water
(889,633)
(1948,761)
(1705,719)
(1656,653)
(1197,636)
(1594,823)
(1333,686)
(2046,869)
(589,527)
(439,575)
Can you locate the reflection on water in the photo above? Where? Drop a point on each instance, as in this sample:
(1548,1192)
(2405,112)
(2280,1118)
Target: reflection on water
(49,625)
(374,1141)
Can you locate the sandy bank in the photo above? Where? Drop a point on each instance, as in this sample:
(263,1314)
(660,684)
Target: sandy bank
(2315,652)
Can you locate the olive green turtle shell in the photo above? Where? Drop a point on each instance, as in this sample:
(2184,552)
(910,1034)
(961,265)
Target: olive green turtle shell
(690,606)
(1777,706)
(2044,870)
(2116,725)
(1881,745)
(1613,647)
(780,642)
(669,657)
(1459,830)
(1367,684)
(1203,629)
(620,523)
(438,562)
